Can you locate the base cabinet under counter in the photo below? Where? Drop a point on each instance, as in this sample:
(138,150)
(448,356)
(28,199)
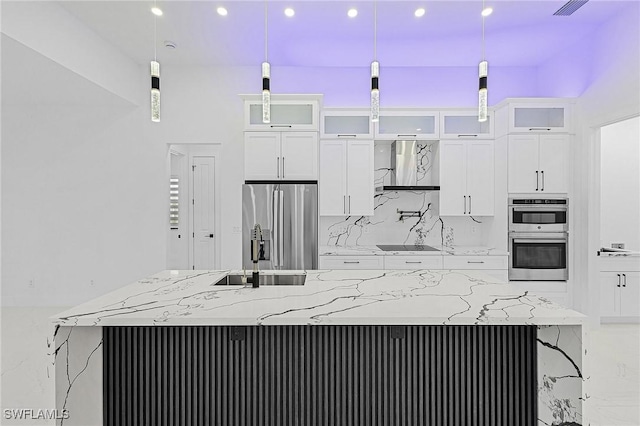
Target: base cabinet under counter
(412,262)
(351,262)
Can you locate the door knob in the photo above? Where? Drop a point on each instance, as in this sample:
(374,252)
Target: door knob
(210,235)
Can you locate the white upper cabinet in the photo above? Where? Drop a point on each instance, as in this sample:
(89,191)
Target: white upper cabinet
(465,125)
(346,124)
(281,156)
(467,184)
(288,112)
(538,163)
(394,125)
(539,118)
(346,181)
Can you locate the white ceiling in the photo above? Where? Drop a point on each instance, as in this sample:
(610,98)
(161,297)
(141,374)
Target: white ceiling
(518,33)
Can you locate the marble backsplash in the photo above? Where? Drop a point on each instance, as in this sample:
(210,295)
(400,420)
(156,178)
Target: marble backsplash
(386,225)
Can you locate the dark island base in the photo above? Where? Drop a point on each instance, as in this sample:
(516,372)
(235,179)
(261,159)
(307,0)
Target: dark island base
(320,375)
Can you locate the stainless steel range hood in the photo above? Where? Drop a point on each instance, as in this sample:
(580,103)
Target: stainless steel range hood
(404,165)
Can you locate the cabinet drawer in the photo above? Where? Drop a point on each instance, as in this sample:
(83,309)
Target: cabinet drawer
(619,263)
(475,262)
(351,262)
(413,262)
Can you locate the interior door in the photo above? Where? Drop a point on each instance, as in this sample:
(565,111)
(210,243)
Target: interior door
(203,169)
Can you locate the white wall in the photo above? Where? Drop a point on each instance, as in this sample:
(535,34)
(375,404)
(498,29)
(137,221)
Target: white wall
(620,184)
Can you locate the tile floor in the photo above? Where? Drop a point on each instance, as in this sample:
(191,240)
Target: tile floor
(27,369)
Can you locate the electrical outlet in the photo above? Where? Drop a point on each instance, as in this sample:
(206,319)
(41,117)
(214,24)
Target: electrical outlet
(92,283)
(474,229)
(32,283)
(236,230)
(617,245)
(365,229)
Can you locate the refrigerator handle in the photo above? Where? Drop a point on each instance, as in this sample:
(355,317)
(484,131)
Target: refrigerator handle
(281,226)
(274,229)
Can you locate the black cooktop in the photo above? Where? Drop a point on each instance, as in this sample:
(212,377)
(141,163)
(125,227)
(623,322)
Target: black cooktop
(387,247)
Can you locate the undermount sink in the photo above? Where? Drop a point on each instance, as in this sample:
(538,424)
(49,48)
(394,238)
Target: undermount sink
(265,279)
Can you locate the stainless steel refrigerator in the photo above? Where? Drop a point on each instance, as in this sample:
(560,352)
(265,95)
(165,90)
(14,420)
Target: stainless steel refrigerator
(288,216)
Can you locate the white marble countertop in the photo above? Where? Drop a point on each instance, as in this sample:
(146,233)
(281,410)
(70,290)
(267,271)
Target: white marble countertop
(619,253)
(329,297)
(442,251)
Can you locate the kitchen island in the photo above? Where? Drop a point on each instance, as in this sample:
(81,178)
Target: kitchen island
(384,347)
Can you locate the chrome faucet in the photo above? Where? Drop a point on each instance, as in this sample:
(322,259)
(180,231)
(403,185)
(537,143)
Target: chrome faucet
(257,251)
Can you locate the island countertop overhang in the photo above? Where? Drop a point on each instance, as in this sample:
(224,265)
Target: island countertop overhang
(328,297)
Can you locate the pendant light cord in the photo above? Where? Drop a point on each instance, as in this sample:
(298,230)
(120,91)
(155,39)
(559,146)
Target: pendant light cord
(266,33)
(155,34)
(375,30)
(483,18)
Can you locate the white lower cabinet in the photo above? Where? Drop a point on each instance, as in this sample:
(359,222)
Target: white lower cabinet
(351,262)
(496,266)
(619,294)
(466,178)
(346,182)
(412,262)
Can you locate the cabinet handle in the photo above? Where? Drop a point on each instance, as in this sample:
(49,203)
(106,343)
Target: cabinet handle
(465,205)
(539,128)
(537,181)
(618,279)
(282,167)
(408,261)
(344,204)
(469,204)
(278,166)
(280,125)
(347,136)
(351,261)
(475,261)
(467,136)
(624,284)
(349,204)
(542,174)
(407,135)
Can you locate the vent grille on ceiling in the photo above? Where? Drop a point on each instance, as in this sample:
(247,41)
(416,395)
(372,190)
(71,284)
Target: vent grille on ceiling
(570,7)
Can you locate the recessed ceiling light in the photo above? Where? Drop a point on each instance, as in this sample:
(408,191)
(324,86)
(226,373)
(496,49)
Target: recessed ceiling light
(352,13)
(487,11)
(289,12)
(419,12)
(156,11)
(222,11)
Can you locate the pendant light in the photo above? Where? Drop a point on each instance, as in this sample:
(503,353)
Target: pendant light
(155,71)
(266,73)
(375,69)
(483,69)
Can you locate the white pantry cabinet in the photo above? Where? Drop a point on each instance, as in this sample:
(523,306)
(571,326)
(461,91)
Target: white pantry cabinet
(286,114)
(351,262)
(465,125)
(346,181)
(408,124)
(619,287)
(466,178)
(346,124)
(281,155)
(538,163)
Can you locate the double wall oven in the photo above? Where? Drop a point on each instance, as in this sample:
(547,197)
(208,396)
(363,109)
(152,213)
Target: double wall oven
(538,239)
